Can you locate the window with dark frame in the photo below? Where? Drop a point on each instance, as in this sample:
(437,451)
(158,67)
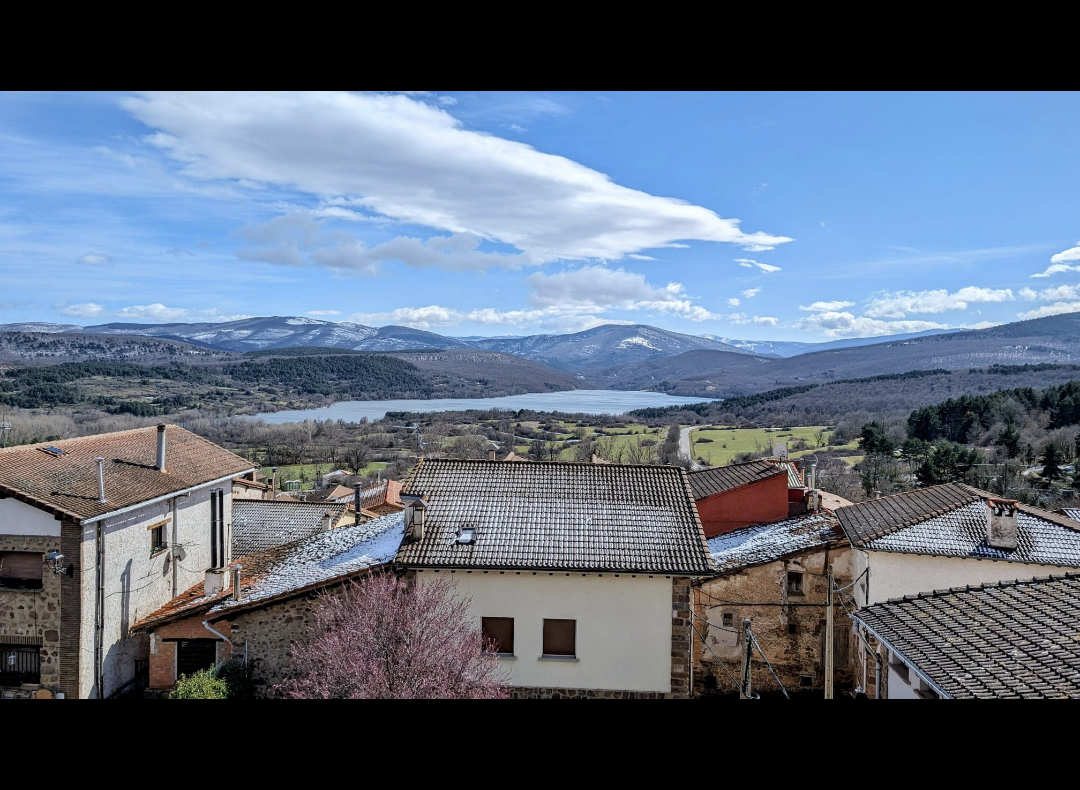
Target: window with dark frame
(21,570)
(157,538)
(728,619)
(19,664)
(795,583)
(560,638)
(793,628)
(806,681)
(500,631)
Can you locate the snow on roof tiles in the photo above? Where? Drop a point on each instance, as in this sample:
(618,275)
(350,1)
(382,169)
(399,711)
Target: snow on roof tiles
(761,543)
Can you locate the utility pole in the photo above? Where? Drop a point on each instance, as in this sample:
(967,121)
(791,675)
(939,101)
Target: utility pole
(748,644)
(829,626)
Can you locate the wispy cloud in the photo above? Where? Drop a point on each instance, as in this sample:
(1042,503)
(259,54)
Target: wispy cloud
(83,310)
(898,304)
(733,302)
(844,324)
(748,263)
(93,258)
(825,307)
(322,313)
(750,293)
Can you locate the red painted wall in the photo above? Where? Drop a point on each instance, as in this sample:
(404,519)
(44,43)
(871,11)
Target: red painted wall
(757,503)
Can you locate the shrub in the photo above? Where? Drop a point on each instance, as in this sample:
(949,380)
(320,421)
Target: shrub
(202,685)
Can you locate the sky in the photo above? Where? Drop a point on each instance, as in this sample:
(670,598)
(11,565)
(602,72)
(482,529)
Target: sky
(763,216)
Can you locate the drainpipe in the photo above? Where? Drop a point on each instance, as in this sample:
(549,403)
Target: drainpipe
(99,620)
(218,634)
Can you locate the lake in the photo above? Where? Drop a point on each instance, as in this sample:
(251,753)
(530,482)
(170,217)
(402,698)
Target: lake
(583,401)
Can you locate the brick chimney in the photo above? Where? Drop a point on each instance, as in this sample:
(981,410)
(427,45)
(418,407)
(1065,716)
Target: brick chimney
(1001,526)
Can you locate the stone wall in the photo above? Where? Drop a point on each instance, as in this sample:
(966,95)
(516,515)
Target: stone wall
(33,616)
(680,638)
(788,627)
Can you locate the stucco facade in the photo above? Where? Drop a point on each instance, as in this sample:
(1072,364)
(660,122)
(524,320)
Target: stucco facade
(623,634)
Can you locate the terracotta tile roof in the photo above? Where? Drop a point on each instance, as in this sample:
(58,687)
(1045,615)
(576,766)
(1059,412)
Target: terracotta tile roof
(338,493)
(557,516)
(291,569)
(1008,640)
(708,482)
(243,481)
(67,483)
(761,543)
(950,520)
(387,492)
(259,524)
(512,456)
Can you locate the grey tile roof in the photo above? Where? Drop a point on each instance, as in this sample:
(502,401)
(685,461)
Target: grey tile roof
(281,571)
(794,476)
(557,516)
(724,478)
(260,524)
(1008,640)
(950,520)
(1072,512)
(761,543)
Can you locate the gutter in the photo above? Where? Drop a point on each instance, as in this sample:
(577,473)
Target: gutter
(942,692)
(162,498)
(215,632)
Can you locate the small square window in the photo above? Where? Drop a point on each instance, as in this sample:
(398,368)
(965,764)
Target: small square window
(729,619)
(795,583)
(806,681)
(499,631)
(157,539)
(793,628)
(560,638)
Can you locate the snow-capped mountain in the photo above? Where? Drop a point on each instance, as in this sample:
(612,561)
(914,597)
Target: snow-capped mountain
(792,348)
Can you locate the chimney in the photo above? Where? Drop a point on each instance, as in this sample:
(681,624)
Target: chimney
(214,582)
(414,515)
(813,475)
(101,480)
(273,479)
(1001,526)
(327,522)
(161,447)
(491,455)
(253,475)
(237,593)
(877,495)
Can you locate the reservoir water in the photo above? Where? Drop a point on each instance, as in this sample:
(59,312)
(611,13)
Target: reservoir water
(583,401)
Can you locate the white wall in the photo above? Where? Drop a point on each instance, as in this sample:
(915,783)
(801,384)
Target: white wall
(623,625)
(137,584)
(893,575)
(19,518)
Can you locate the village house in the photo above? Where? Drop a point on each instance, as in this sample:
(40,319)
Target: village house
(96,533)
(279,589)
(738,495)
(998,640)
(579,572)
(248,487)
(944,537)
(262,524)
(383,498)
(775,575)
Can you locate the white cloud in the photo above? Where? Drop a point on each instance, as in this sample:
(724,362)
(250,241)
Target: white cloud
(766,320)
(93,258)
(844,324)
(1051,309)
(825,307)
(899,303)
(738,318)
(747,263)
(447,101)
(415,163)
(637,257)
(599,288)
(551,319)
(84,310)
(750,293)
(733,302)
(1060,293)
(1028,295)
(322,313)
(1060,263)
(153,312)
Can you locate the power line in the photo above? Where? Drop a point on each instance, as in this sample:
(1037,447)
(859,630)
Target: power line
(766,660)
(723,666)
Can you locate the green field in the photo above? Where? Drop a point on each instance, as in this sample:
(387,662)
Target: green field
(729,442)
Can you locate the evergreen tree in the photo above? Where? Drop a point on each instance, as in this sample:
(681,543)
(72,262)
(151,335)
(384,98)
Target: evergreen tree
(874,440)
(1051,460)
(1009,440)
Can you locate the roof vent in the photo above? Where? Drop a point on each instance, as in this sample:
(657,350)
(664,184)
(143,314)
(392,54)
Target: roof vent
(101,479)
(1001,523)
(467,536)
(161,448)
(214,582)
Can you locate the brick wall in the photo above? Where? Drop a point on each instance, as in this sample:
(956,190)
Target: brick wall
(35,614)
(680,638)
(71,610)
(163,662)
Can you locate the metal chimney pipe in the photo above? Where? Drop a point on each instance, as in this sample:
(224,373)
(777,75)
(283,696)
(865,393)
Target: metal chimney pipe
(101,480)
(161,447)
(877,495)
(237,594)
(813,475)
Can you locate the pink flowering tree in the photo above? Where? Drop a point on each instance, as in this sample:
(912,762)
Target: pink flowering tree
(384,638)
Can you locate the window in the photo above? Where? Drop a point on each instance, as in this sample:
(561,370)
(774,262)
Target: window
(560,637)
(21,570)
(806,681)
(793,628)
(794,583)
(157,538)
(729,619)
(195,654)
(499,630)
(19,664)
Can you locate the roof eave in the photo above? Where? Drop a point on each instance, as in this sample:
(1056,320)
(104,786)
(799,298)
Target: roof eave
(162,498)
(937,688)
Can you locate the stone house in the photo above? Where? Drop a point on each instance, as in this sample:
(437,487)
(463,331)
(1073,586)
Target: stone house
(247,487)
(998,640)
(775,575)
(95,533)
(580,572)
(278,588)
(944,537)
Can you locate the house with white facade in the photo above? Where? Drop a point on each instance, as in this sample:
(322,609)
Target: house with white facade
(579,572)
(96,533)
(945,537)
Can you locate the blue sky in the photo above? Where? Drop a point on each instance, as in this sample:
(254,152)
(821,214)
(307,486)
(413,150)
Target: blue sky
(802,216)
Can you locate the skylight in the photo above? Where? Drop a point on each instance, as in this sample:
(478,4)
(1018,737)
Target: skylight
(53,450)
(467,535)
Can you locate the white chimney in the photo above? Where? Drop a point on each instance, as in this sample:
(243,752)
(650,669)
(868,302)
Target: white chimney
(214,582)
(414,515)
(813,475)
(101,480)
(161,447)
(1001,523)
(327,522)
(491,455)
(237,592)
